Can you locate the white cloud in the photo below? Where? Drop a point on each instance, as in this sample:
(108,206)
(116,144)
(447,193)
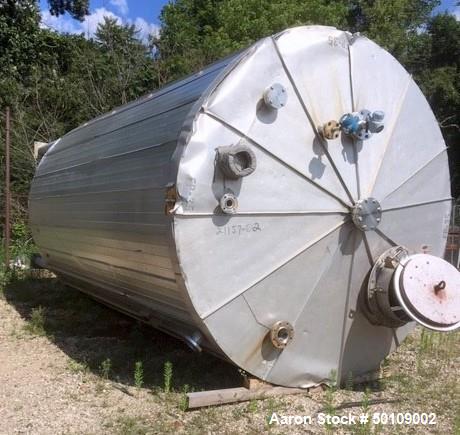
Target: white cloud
(145,28)
(59,24)
(65,24)
(456,13)
(121,6)
(89,26)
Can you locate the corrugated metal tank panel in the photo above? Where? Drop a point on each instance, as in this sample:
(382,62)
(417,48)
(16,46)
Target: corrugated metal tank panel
(97,201)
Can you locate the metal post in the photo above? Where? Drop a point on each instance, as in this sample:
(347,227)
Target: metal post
(7,189)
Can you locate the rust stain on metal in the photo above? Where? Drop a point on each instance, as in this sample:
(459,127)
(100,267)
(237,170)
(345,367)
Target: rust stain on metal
(170,198)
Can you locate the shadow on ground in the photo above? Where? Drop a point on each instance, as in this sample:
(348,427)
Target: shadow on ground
(90,333)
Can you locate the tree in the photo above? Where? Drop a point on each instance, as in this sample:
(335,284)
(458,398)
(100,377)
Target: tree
(440,82)
(76,8)
(129,60)
(194,33)
(55,82)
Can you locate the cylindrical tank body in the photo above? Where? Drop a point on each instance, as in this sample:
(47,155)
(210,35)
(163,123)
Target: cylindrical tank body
(259,254)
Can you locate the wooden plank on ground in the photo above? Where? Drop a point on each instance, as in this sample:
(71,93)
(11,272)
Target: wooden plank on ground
(233,395)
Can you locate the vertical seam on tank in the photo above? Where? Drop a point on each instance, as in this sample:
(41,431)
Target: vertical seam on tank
(353,109)
(315,131)
(393,128)
(385,237)
(346,312)
(368,249)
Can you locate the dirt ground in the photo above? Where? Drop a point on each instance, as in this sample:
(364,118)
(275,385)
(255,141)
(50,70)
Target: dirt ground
(70,365)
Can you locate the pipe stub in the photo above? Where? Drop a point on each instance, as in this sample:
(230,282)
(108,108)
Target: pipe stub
(236,161)
(281,333)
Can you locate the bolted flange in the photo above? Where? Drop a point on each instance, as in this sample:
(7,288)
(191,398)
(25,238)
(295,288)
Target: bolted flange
(281,333)
(367,214)
(404,287)
(228,203)
(275,96)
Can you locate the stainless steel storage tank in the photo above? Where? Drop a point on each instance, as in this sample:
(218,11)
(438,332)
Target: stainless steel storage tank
(282,208)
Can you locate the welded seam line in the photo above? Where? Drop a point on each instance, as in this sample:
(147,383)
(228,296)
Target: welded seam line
(100,159)
(276,268)
(444,150)
(368,249)
(275,157)
(386,238)
(393,129)
(355,148)
(318,136)
(418,204)
(345,315)
(326,268)
(264,213)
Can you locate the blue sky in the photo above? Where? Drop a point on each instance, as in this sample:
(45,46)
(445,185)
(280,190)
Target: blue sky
(143,13)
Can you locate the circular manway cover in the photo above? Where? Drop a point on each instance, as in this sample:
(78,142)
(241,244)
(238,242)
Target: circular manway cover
(430,290)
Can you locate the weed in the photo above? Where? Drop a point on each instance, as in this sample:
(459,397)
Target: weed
(365,427)
(36,323)
(99,387)
(131,426)
(105,368)
(183,399)
(349,382)
(167,376)
(138,374)
(76,367)
(252,406)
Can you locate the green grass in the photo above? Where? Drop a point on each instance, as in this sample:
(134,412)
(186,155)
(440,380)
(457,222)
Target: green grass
(167,376)
(105,368)
(138,374)
(36,323)
(90,333)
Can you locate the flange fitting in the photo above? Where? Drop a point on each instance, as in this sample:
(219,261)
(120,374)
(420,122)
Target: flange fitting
(420,287)
(281,333)
(228,203)
(275,96)
(363,124)
(236,161)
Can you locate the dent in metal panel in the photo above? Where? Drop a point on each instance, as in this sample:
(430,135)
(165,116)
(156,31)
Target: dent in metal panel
(242,339)
(282,295)
(314,352)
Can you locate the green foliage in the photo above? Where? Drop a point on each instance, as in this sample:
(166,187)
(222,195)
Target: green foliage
(76,8)
(55,82)
(36,323)
(183,399)
(138,374)
(105,368)
(22,246)
(194,33)
(167,376)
